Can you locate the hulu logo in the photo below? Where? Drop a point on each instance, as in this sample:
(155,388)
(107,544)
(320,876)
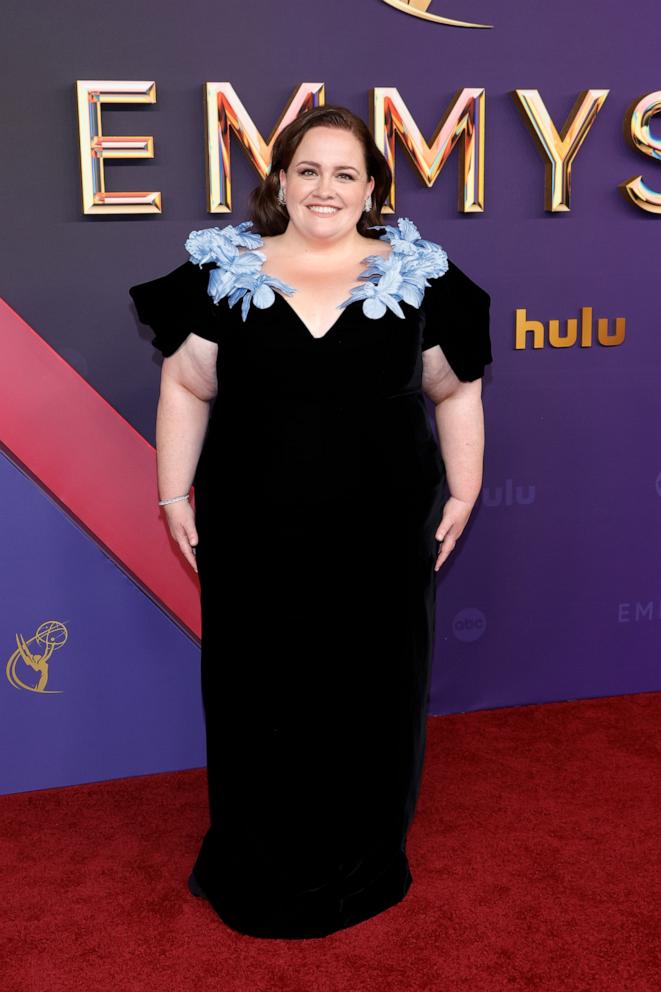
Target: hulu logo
(508,495)
(570,334)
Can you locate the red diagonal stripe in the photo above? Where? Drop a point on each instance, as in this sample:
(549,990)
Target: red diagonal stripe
(93,462)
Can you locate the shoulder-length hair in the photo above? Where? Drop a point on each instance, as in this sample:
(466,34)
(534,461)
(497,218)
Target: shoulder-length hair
(270,217)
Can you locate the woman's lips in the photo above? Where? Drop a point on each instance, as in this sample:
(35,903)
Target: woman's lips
(322,211)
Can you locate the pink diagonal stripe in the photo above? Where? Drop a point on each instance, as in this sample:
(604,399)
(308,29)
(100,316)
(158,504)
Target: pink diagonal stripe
(93,462)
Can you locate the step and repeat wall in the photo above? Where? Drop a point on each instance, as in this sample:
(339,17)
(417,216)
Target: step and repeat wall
(524,139)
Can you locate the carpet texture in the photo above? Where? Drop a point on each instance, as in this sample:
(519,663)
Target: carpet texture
(534,853)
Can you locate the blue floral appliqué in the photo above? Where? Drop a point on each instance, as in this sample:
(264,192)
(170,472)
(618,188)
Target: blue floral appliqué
(238,274)
(401,276)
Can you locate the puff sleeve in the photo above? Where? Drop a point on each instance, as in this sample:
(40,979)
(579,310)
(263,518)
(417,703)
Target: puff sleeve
(457,317)
(176,304)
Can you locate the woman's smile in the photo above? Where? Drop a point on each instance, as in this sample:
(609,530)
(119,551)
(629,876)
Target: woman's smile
(323,211)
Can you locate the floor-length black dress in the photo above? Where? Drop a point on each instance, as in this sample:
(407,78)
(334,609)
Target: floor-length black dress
(318,492)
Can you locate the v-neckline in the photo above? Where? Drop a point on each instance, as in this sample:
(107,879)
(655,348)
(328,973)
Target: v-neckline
(314,337)
(321,337)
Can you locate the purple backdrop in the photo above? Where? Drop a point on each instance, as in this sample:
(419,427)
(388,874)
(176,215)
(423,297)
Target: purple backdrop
(553,591)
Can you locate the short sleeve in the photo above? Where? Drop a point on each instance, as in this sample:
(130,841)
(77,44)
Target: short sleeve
(176,304)
(457,317)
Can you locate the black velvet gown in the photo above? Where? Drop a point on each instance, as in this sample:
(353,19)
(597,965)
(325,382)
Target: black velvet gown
(318,492)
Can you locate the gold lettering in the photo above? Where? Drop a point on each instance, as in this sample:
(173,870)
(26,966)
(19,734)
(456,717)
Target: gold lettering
(559,150)
(95,147)
(224,112)
(523,325)
(463,123)
(617,337)
(638,135)
(586,327)
(558,340)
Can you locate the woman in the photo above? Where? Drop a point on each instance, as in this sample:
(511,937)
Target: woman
(319,520)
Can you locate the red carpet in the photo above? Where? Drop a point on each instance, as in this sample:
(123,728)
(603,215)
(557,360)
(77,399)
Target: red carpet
(534,853)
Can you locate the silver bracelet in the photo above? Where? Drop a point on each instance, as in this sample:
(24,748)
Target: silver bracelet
(175,499)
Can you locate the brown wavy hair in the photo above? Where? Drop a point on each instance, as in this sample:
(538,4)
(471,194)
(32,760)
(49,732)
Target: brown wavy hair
(270,217)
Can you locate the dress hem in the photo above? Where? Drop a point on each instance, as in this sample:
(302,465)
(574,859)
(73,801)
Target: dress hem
(339,912)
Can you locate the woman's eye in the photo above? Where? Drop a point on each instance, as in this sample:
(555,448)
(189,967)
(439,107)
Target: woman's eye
(345,175)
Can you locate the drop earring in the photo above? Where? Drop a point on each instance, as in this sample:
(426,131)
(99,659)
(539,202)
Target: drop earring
(281,196)
(367,206)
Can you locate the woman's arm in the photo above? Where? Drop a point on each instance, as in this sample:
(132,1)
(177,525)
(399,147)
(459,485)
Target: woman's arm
(460,424)
(188,384)
(459,420)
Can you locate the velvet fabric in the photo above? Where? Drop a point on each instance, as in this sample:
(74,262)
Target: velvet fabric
(318,492)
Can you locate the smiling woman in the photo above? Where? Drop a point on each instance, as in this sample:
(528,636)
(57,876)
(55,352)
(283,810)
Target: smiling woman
(319,521)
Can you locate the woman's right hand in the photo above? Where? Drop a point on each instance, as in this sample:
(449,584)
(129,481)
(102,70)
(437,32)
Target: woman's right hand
(181,522)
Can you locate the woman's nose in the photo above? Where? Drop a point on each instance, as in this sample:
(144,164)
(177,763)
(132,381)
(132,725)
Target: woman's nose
(325,185)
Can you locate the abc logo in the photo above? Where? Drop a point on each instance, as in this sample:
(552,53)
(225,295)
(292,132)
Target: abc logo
(469,624)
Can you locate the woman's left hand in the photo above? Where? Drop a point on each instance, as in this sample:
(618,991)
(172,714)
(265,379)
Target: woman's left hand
(455,517)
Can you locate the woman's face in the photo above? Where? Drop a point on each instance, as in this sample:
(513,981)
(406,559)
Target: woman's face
(327,170)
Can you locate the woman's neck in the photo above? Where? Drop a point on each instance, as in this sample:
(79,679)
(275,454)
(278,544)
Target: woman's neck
(292,241)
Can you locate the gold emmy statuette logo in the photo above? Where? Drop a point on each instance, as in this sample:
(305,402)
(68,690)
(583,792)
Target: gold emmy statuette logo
(50,636)
(418,8)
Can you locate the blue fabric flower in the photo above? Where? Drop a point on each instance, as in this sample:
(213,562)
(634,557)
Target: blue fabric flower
(257,291)
(403,275)
(380,295)
(219,244)
(405,238)
(240,270)
(238,275)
